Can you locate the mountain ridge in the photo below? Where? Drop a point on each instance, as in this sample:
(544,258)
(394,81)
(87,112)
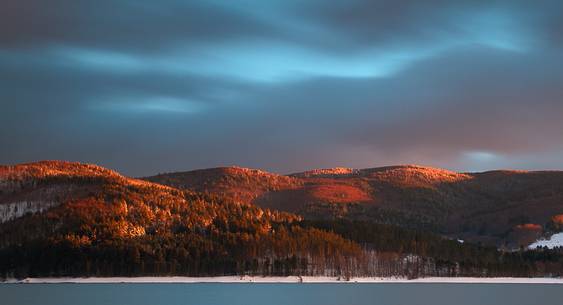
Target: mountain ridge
(457,203)
(493,207)
(73,219)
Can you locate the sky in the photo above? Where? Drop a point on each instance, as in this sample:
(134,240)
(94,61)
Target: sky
(146,87)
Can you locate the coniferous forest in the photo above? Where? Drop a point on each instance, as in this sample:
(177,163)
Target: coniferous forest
(104,224)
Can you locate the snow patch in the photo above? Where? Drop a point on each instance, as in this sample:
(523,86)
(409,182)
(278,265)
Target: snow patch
(556,240)
(10,211)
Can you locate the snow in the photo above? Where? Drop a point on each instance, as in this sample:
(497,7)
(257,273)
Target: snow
(556,240)
(9,211)
(289,279)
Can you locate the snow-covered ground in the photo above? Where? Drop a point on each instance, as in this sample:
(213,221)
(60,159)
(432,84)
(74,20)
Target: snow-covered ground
(556,240)
(9,211)
(289,279)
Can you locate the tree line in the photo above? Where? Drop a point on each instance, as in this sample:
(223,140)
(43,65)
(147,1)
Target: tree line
(124,230)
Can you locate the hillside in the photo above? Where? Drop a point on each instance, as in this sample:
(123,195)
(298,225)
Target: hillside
(38,186)
(72,219)
(84,219)
(239,184)
(495,208)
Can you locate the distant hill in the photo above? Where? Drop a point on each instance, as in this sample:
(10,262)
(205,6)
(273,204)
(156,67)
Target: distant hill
(71,219)
(239,184)
(63,218)
(492,207)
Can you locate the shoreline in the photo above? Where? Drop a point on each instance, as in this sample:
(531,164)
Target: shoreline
(279,280)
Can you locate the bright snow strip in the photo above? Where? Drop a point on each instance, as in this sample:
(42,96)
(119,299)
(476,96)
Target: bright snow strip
(556,240)
(289,279)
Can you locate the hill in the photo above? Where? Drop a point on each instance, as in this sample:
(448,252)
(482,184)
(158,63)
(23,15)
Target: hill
(239,184)
(63,218)
(72,219)
(494,208)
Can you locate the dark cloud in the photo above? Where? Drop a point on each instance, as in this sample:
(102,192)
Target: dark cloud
(129,24)
(145,87)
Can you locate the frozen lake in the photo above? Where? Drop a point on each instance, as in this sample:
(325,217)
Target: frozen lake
(281,294)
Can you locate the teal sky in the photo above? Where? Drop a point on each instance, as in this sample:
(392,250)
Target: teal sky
(153,86)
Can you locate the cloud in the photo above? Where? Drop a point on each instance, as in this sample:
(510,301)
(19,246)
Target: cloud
(126,25)
(136,105)
(145,87)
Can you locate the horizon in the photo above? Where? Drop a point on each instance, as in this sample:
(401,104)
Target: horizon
(295,172)
(142,87)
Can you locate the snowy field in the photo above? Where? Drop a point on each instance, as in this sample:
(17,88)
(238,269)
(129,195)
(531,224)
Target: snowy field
(290,279)
(556,240)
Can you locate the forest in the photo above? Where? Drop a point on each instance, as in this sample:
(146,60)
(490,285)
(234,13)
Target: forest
(110,225)
(238,246)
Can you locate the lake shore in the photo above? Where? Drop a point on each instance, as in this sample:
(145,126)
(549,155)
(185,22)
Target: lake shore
(289,279)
